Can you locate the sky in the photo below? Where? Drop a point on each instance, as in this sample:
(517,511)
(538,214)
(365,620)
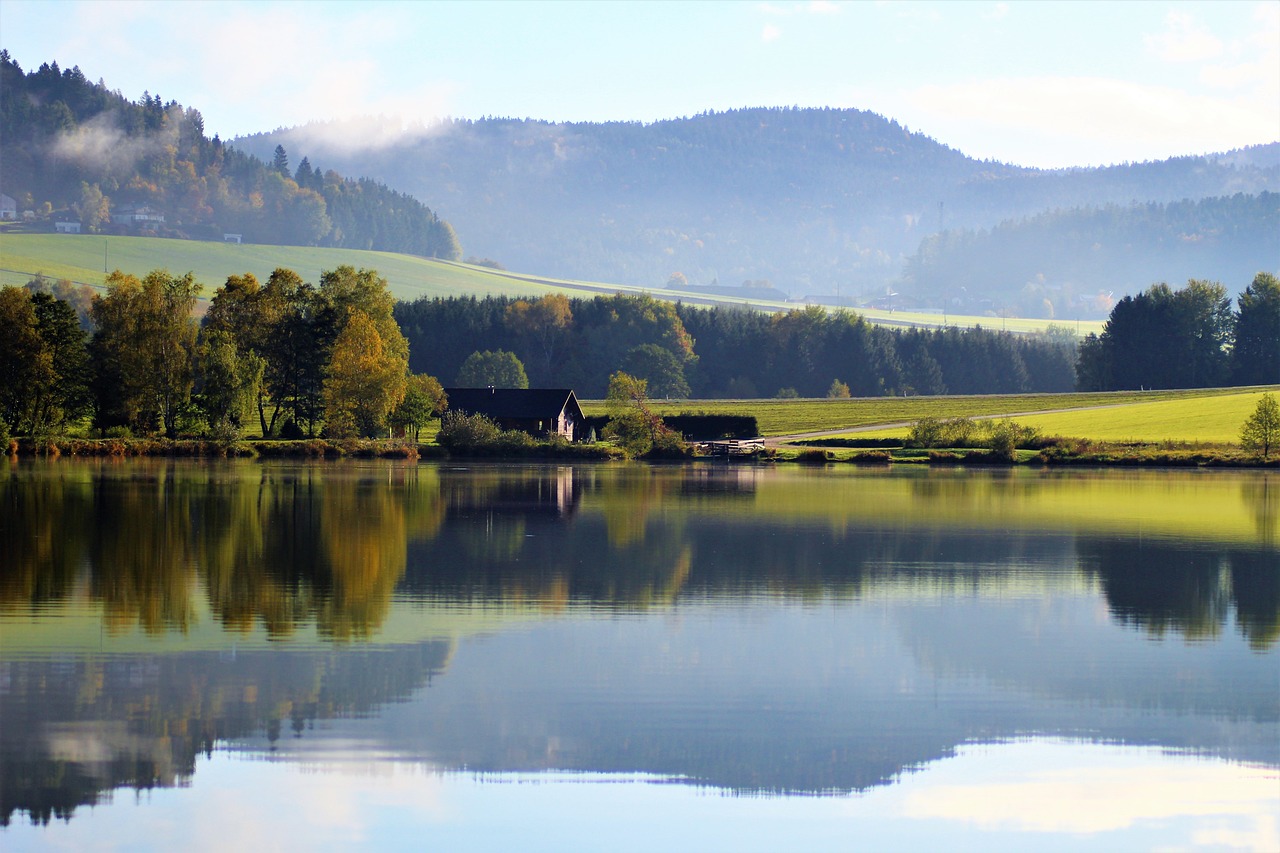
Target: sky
(1044,84)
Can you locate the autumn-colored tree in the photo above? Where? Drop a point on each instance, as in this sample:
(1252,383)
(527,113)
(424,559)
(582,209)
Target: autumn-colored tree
(365,383)
(424,399)
(544,326)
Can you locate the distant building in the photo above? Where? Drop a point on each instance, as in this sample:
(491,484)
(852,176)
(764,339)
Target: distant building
(137,216)
(67,227)
(541,412)
(8,207)
(232,238)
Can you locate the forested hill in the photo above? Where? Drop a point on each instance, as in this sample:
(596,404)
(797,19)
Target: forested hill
(1078,262)
(810,200)
(73,150)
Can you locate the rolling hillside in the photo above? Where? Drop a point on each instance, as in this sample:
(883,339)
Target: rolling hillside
(80,258)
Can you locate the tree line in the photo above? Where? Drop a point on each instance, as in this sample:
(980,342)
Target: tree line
(1186,338)
(690,351)
(296,357)
(82,150)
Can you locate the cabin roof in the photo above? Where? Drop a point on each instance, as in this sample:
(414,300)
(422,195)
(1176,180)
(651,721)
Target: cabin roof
(515,403)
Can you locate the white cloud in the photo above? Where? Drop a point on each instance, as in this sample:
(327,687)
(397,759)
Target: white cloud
(1068,119)
(1104,790)
(770,33)
(823,7)
(1183,40)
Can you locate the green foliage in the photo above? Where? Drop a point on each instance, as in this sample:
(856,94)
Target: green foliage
(633,425)
(1256,352)
(501,369)
(1161,338)
(230,384)
(787,393)
(1000,436)
(838,390)
(476,434)
(144,350)
(1004,437)
(660,369)
(424,399)
(1260,433)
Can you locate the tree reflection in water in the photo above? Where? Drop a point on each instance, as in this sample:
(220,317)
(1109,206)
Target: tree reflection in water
(276,548)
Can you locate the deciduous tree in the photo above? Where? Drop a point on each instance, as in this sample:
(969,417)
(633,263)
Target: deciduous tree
(365,381)
(501,369)
(1261,431)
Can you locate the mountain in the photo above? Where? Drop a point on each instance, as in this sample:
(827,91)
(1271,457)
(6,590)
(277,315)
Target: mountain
(810,201)
(1077,262)
(76,151)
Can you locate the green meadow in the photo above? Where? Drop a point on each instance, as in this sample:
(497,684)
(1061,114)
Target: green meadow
(1217,412)
(1209,416)
(84,258)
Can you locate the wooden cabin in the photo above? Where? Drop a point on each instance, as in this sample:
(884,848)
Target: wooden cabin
(541,412)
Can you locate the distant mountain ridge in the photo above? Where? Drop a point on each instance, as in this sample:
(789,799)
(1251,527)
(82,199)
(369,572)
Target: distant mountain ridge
(813,201)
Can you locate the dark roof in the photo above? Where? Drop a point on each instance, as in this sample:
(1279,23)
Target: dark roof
(512,402)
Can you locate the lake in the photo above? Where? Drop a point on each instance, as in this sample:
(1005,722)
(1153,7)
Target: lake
(265,655)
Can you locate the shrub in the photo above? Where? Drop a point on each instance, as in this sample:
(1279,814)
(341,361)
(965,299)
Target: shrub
(814,457)
(926,432)
(459,431)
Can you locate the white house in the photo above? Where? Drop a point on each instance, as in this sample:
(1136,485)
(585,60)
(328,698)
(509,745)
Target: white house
(67,227)
(136,216)
(8,207)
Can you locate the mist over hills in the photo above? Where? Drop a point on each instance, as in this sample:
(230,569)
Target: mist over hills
(812,201)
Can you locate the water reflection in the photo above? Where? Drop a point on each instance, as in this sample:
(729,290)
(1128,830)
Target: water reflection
(741,628)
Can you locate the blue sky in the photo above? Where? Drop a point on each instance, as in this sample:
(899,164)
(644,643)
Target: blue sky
(1034,83)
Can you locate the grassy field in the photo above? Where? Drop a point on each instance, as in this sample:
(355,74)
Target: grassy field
(1210,410)
(80,258)
(1207,416)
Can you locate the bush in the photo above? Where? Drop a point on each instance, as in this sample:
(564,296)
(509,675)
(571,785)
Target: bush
(926,432)
(459,431)
(872,457)
(813,457)
(1005,436)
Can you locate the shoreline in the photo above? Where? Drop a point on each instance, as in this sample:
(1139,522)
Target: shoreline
(326,449)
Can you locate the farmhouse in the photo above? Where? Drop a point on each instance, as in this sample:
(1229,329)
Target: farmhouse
(138,216)
(538,411)
(67,227)
(8,207)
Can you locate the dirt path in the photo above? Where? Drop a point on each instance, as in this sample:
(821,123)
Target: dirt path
(774,440)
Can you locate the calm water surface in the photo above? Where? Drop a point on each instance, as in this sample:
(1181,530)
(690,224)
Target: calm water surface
(278,656)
